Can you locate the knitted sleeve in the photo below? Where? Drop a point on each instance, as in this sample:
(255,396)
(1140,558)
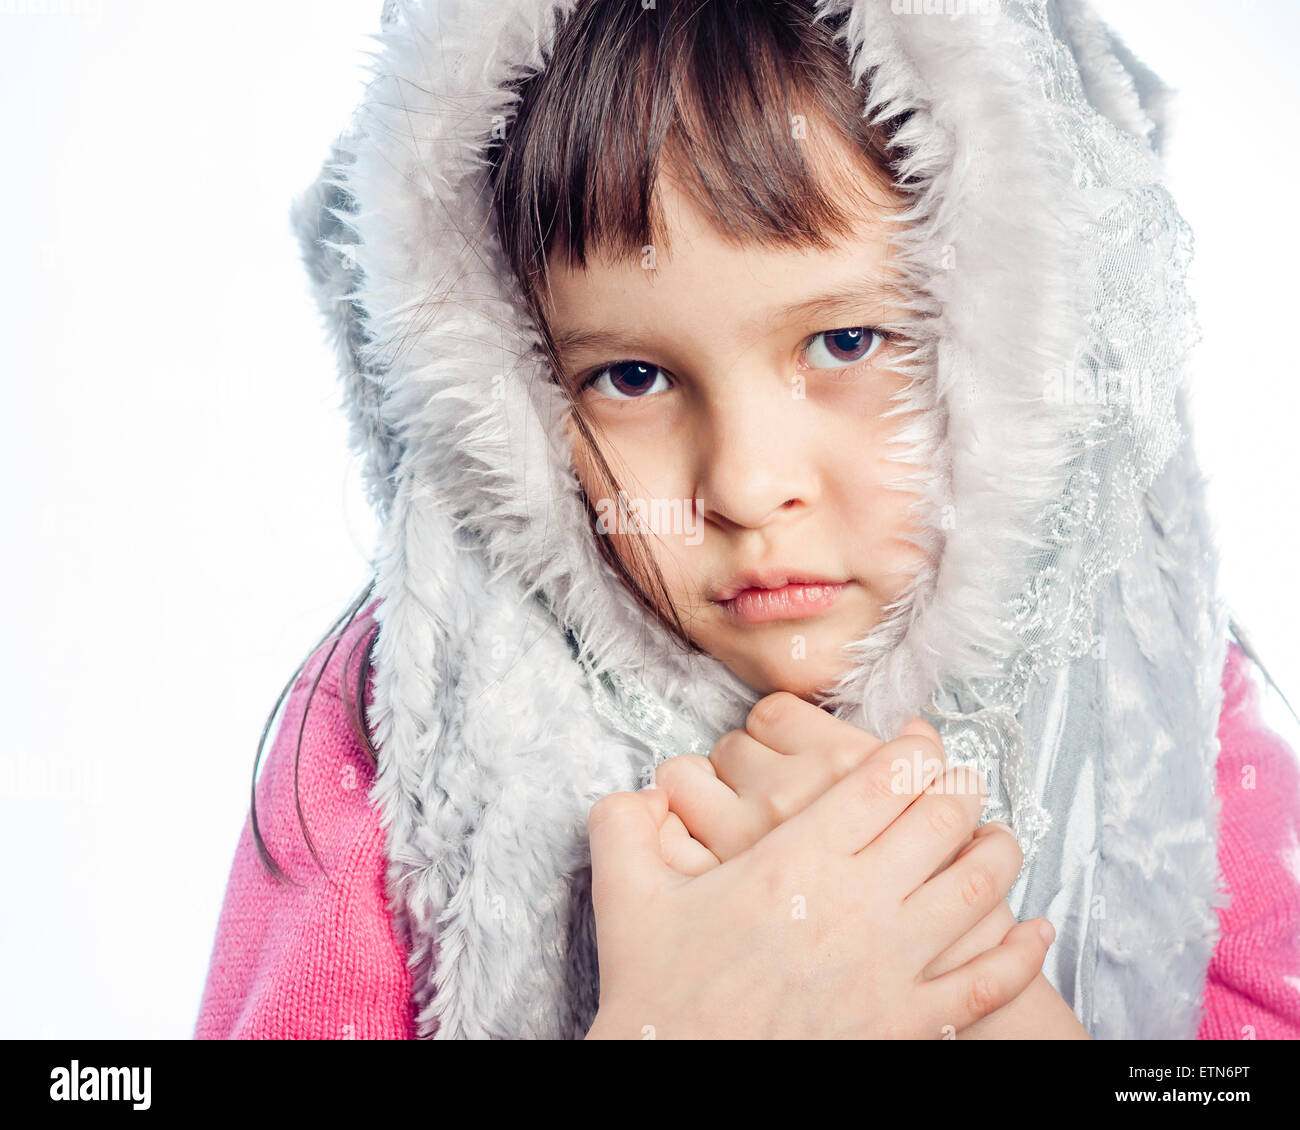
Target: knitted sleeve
(319,960)
(1253,981)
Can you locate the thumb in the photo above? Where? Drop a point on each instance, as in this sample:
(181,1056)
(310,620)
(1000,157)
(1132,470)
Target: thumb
(626,859)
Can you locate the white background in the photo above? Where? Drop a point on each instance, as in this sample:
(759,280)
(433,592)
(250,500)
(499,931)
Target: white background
(184,515)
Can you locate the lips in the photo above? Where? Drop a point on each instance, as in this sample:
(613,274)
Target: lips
(775,577)
(792,601)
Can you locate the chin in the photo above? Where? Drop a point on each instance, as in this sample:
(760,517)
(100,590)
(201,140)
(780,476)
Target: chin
(802,678)
(768,665)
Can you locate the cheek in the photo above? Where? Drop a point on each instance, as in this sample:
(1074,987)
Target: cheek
(645,472)
(644,465)
(875,518)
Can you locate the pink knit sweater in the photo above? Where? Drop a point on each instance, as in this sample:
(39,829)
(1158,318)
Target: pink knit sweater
(322,961)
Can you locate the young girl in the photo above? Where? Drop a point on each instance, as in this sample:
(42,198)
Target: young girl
(781,404)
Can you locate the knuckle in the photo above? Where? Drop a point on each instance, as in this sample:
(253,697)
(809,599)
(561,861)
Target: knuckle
(842,760)
(877,781)
(769,709)
(982,997)
(946,814)
(778,806)
(978,885)
(769,870)
(726,751)
(773,886)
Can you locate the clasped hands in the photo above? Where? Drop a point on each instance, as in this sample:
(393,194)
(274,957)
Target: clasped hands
(711,809)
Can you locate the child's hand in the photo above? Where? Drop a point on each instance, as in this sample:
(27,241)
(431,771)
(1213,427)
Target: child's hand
(789,753)
(820,930)
(1040,1012)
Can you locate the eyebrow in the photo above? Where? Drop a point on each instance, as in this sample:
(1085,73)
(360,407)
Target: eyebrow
(851,295)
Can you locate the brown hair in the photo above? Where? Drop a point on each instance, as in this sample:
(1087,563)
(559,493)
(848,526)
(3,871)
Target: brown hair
(706,91)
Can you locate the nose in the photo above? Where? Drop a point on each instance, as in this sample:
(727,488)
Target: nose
(755,463)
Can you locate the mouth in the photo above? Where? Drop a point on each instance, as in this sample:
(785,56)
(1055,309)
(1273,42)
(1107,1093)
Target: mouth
(788,599)
(772,578)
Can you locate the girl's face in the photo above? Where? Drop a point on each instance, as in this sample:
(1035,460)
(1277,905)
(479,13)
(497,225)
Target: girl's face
(740,397)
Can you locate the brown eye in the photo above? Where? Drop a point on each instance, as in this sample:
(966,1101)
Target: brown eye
(628,380)
(843,347)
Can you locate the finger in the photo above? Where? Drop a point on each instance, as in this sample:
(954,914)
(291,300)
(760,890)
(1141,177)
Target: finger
(743,762)
(816,771)
(775,785)
(921,727)
(853,812)
(711,811)
(982,830)
(695,762)
(958,998)
(681,851)
(961,896)
(626,864)
(988,932)
(793,726)
(934,826)
(817,750)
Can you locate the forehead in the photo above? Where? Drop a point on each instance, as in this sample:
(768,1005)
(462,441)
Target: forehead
(704,274)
